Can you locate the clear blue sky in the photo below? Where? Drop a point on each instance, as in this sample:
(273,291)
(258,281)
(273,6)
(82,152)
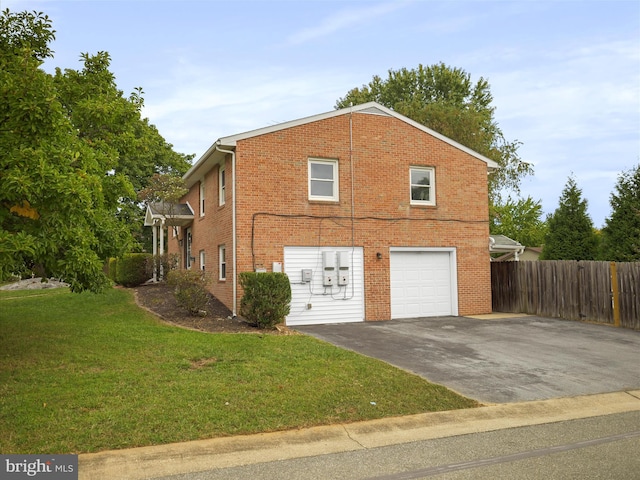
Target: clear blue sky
(565,75)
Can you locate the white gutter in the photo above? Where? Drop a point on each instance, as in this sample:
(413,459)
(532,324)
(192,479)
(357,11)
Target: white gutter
(233,223)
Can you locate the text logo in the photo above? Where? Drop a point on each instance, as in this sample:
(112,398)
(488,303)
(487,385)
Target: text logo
(46,467)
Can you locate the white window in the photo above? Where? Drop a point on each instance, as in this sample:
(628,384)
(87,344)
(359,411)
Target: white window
(223,262)
(422,185)
(323,180)
(222,186)
(202,259)
(187,249)
(202,198)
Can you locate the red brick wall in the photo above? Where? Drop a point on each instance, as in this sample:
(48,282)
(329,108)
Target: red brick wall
(272,179)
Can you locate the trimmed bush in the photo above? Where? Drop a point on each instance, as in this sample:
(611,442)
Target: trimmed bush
(131,269)
(111,267)
(267,298)
(190,289)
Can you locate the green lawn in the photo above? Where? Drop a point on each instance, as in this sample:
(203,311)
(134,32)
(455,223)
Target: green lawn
(84,373)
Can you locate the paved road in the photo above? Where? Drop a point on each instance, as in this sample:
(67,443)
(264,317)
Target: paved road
(460,442)
(604,447)
(499,361)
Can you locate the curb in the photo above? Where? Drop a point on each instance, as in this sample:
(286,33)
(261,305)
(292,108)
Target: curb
(200,455)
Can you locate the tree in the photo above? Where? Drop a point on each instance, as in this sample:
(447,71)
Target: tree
(445,100)
(73,152)
(130,148)
(519,220)
(571,235)
(621,233)
(54,215)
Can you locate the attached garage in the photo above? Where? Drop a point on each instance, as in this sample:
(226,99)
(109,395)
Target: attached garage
(423,282)
(313,302)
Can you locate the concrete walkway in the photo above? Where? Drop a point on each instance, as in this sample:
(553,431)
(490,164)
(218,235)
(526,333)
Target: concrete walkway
(164,460)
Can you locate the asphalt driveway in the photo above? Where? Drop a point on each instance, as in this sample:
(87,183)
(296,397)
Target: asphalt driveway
(500,360)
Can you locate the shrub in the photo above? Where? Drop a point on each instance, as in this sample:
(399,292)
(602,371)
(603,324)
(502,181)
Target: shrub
(111,268)
(190,289)
(267,297)
(163,264)
(131,269)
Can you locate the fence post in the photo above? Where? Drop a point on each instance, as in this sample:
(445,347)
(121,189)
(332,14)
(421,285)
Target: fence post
(615,294)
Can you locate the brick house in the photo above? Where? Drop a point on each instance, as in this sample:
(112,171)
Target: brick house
(371,215)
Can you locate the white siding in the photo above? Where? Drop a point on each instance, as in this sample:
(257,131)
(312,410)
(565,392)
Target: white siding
(423,283)
(335,304)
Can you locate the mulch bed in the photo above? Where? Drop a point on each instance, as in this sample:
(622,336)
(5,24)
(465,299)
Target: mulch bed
(160,300)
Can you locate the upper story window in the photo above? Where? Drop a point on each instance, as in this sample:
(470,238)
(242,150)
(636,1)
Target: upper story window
(323,180)
(202,198)
(423,185)
(222,185)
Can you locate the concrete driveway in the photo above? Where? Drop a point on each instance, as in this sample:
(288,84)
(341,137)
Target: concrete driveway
(500,360)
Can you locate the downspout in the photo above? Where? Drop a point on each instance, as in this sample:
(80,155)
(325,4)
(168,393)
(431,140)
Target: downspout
(233,225)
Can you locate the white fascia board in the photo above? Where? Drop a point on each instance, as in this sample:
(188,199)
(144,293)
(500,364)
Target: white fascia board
(205,163)
(231,141)
(490,163)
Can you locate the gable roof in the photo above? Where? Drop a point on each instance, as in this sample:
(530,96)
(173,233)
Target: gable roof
(502,243)
(175,214)
(213,155)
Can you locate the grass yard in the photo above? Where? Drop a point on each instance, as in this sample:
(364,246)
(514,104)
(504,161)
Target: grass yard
(83,373)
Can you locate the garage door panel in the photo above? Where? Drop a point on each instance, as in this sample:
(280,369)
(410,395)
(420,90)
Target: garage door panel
(423,283)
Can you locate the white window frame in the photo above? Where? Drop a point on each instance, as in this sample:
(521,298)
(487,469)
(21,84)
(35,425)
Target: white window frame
(431,186)
(222,262)
(334,197)
(222,186)
(202,197)
(202,260)
(188,243)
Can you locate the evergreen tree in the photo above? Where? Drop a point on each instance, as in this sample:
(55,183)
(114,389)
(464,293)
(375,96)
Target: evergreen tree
(571,235)
(621,234)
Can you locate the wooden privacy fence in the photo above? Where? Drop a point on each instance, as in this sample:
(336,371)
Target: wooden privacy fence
(569,289)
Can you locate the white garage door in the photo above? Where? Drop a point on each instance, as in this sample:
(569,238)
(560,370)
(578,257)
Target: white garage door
(314,303)
(423,283)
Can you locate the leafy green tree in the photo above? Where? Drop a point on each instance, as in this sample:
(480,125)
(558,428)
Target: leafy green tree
(445,100)
(130,148)
(571,235)
(520,220)
(54,214)
(621,233)
(73,153)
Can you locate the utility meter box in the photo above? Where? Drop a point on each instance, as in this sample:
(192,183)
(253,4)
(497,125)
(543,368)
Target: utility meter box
(307,273)
(329,269)
(344,263)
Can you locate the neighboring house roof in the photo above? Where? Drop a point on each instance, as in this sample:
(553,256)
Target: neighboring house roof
(174,214)
(529,253)
(504,244)
(213,155)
